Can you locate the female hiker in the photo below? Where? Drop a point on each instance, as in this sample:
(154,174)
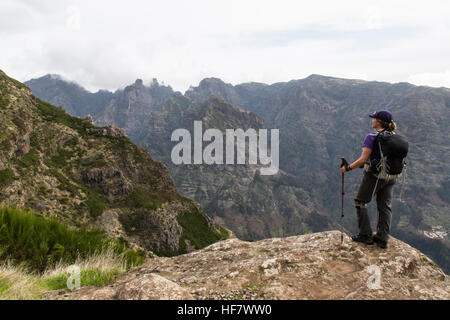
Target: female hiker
(382,121)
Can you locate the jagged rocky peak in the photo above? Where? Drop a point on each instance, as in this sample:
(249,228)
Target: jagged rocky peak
(136,86)
(53,77)
(210,86)
(324,79)
(237,115)
(211,81)
(214,85)
(312,266)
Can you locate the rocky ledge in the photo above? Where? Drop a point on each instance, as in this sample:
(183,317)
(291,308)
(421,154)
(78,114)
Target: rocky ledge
(312,266)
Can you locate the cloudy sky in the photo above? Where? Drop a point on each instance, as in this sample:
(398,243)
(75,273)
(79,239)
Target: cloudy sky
(108,44)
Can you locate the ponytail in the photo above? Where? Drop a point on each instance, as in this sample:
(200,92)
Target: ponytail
(391,126)
(388,126)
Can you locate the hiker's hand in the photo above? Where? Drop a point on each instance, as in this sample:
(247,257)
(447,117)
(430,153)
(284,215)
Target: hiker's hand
(342,169)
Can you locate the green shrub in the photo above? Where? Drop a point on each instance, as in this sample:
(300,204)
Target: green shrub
(38,243)
(5,145)
(140,197)
(30,159)
(6,176)
(4,101)
(34,142)
(61,157)
(95,205)
(19,122)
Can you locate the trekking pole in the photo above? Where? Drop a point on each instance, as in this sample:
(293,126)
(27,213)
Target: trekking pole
(343,163)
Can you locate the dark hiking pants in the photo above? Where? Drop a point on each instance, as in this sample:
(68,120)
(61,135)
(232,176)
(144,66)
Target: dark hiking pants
(383,194)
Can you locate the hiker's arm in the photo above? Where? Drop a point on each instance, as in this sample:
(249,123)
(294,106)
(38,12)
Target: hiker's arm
(365,154)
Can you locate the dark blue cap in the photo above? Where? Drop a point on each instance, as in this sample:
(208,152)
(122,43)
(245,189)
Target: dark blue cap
(383,115)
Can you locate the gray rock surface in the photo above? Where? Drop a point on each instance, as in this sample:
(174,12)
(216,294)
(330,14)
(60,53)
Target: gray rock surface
(313,266)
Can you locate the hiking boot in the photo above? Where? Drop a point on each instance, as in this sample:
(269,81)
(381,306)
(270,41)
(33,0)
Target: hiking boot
(363,239)
(381,243)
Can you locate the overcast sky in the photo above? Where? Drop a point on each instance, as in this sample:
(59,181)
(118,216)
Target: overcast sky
(108,44)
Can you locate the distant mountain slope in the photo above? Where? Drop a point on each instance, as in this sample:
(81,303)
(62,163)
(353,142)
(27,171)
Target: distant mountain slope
(85,175)
(127,108)
(252,205)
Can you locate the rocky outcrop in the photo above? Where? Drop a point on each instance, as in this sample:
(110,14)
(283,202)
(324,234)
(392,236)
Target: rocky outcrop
(313,266)
(109,180)
(109,130)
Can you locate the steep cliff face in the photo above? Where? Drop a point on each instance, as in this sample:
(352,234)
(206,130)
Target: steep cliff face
(86,175)
(313,266)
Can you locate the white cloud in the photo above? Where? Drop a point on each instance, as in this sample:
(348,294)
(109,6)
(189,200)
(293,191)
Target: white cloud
(436,79)
(106,44)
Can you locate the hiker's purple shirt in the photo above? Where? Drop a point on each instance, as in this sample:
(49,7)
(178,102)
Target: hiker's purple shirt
(369,142)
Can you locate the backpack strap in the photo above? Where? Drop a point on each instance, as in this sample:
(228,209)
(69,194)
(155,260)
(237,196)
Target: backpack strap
(377,142)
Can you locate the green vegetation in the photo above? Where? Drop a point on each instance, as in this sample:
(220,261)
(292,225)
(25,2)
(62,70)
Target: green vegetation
(37,243)
(96,161)
(34,142)
(4,101)
(224,234)
(95,204)
(96,270)
(6,176)
(65,184)
(19,122)
(5,145)
(257,177)
(59,115)
(140,197)
(4,286)
(7,79)
(15,284)
(31,159)
(444,191)
(196,230)
(93,277)
(61,157)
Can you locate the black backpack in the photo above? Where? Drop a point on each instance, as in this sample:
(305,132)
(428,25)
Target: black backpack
(394,149)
